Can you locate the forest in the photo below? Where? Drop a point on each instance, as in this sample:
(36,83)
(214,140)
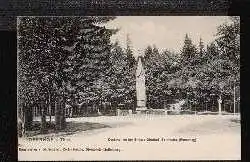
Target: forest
(68,67)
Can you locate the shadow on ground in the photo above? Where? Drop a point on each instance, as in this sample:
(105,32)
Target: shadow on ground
(213,126)
(71,128)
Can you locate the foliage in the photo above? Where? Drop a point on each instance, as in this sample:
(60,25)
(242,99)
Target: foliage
(63,58)
(198,75)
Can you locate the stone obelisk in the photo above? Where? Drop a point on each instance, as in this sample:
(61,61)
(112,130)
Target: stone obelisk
(140,85)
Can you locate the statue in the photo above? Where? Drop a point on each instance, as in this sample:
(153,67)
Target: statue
(140,85)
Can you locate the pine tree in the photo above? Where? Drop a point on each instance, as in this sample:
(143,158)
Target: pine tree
(220,72)
(212,50)
(59,48)
(92,65)
(154,66)
(169,83)
(188,52)
(201,48)
(129,52)
(130,79)
(190,61)
(123,80)
(228,64)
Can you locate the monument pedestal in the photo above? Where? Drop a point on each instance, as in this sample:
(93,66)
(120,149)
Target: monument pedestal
(140,109)
(140,87)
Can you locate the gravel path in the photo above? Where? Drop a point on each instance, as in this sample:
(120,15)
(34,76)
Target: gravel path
(173,137)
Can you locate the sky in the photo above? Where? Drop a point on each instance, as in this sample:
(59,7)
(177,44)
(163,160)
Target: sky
(166,32)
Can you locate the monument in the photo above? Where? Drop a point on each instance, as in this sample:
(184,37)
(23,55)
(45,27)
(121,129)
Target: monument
(140,85)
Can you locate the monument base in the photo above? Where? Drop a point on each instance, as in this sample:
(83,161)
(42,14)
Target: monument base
(139,110)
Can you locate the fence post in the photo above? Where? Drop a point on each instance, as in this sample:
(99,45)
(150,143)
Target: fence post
(118,112)
(130,112)
(166,111)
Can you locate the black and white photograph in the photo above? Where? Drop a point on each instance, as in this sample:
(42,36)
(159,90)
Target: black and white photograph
(128,88)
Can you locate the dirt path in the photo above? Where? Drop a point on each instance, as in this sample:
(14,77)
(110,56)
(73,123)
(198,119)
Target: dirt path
(153,137)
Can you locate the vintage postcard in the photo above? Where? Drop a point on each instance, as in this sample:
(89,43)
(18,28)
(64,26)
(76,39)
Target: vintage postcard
(128,88)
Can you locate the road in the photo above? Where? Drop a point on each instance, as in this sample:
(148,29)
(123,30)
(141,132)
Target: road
(173,137)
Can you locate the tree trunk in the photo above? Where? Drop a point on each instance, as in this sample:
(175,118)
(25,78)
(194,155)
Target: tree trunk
(234,100)
(79,110)
(63,119)
(60,121)
(49,104)
(195,112)
(71,112)
(219,104)
(57,114)
(43,118)
(202,105)
(50,112)
(28,117)
(20,121)
(36,111)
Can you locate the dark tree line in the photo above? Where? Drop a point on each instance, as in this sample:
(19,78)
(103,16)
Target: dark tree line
(198,74)
(70,62)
